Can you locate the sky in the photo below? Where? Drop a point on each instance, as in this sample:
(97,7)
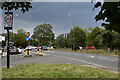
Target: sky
(56,14)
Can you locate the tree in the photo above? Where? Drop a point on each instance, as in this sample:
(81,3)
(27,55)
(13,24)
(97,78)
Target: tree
(110,39)
(94,38)
(33,42)
(18,38)
(110,13)
(60,41)
(43,34)
(23,6)
(77,37)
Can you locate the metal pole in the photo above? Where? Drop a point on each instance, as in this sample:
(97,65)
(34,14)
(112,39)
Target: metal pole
(8,55)
(28,48)
(73,31)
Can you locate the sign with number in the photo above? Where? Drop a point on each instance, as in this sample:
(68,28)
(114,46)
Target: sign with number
(8,20)
(27,38)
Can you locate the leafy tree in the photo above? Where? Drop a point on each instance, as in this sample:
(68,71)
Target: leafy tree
(43,34)
(110,39)
(23,6)
(18,38)
(60,41)
(95,37)
(110,13)
(3,43)
(33,42)
(77,37)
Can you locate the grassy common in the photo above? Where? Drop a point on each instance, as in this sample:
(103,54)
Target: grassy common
(93,51)
(55,71)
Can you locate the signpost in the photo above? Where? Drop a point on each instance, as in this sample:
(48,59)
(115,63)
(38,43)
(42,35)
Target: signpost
(8,20)
(8,23)
(27,38)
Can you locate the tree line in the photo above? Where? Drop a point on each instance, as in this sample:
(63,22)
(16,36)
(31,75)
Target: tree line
(98,37)
(43,36)
(109,37)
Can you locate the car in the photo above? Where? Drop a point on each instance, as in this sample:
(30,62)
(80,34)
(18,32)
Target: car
(34,48)
(90,47)
(13,50)
(20,50)
(0,52)
(50,48)
(44,48)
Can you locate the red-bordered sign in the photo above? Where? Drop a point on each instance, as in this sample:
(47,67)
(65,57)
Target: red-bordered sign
(8,18)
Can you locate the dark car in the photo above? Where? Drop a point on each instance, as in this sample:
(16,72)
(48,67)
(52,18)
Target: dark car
(44,48)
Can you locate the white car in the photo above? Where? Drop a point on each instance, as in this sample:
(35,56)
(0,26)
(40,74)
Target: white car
(0,52)
(20,50)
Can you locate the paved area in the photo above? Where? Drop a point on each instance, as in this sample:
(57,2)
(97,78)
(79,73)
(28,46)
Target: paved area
(61,57)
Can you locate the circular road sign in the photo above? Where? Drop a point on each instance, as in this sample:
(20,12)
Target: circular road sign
(8,18)
(27,38)
(28,34)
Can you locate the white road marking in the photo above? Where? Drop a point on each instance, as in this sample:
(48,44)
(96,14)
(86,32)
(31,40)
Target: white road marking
(92,56)
(106,59)
(84,62)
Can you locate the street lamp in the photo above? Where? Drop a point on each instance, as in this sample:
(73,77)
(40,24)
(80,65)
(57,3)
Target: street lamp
(73,30)
(73,19)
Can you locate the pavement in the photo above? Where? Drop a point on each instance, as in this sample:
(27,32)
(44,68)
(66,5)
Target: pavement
(61,57)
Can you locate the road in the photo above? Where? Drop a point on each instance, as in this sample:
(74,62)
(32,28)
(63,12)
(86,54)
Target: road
(62,57)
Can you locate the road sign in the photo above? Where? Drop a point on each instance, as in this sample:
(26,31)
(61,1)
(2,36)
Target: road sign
(27,38)
(8,20)
(28,34)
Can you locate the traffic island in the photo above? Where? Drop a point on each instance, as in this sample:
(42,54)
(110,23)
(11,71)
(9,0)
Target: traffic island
(28,56)
(38,54)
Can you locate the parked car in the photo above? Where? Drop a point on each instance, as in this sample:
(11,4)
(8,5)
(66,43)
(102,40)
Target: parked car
(0,52)
(34,48)
(13,50)
(44,48)
(20,50)
(90,47)
(50,48)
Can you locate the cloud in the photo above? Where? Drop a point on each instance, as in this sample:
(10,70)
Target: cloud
(56,14)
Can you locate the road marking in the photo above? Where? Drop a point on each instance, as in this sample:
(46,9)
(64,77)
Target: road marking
(92,56)
(84,62)
(106,59)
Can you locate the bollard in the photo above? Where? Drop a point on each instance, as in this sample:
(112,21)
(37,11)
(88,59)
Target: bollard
(25,52)
(38,51)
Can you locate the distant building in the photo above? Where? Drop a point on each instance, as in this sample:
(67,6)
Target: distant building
(2,38)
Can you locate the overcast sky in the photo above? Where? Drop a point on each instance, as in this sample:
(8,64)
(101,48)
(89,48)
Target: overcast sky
(56,14)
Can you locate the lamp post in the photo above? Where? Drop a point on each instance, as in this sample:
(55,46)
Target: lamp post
(73,30)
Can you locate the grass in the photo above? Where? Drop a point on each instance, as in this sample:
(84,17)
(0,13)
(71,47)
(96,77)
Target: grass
(55,71)
(93,51)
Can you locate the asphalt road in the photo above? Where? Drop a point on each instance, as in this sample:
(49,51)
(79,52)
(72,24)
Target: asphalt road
(61,57)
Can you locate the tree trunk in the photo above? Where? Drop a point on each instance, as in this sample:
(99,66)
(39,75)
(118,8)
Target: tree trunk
(118,42)
(111,49)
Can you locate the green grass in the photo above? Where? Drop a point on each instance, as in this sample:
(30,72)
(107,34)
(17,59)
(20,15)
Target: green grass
(93,51)
(55,71)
